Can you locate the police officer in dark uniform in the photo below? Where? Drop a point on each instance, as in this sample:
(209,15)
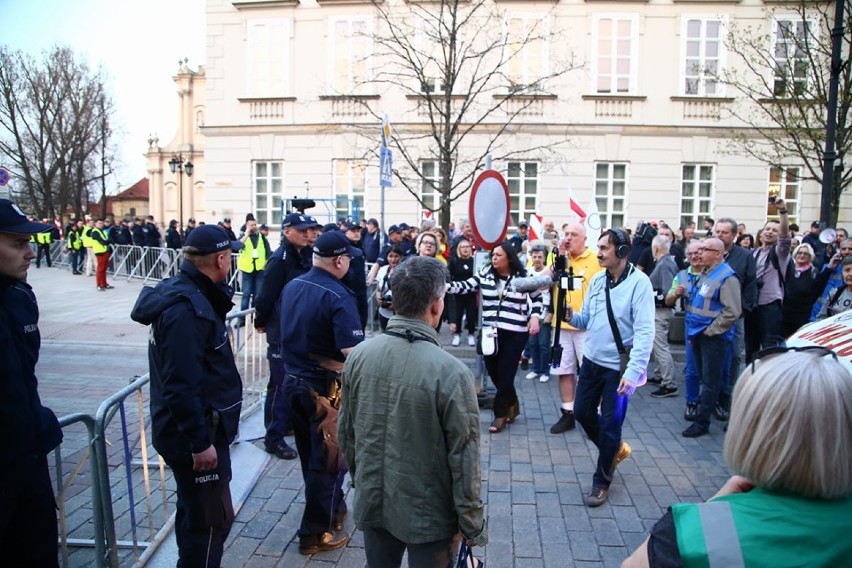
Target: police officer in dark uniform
(290,260)
(356,277)
(138,232)
(28,430)
(320,327)
(196,390)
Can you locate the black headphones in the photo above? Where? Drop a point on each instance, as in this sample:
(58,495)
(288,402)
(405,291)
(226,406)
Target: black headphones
(622,242)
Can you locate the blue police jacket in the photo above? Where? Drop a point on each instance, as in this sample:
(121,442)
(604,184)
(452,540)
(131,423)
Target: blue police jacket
(322,319)
(704,305)
(285,264)
(196,390)
(28,430)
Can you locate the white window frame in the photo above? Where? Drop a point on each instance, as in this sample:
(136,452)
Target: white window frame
(812,25)
(350,192)
(608,211)
(336,44)
(432,197)
(697,215)
(782,187)
(433,83)
(522,212)
(279,29)
(529,77)
(722,57)
(633,75)
(268,212)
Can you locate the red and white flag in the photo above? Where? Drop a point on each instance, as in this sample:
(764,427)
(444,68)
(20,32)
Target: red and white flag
(536,231)
(575,207)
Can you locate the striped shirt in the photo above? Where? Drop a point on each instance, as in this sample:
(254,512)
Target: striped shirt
(516,307)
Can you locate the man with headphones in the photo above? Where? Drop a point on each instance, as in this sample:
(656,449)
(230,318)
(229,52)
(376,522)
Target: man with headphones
(618,316)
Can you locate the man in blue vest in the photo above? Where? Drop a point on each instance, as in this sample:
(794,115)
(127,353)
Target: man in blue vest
(710,315)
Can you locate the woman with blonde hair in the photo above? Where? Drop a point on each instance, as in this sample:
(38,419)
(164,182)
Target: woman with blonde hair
(790,500)
(803,284)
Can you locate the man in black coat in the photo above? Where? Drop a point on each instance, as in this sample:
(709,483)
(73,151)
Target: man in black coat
(28,430)
(196,390)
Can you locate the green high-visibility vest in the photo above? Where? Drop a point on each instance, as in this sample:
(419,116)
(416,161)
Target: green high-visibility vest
(44,238)
(764,528)
(74,241)
(97,247)
(252,259)
(88,242)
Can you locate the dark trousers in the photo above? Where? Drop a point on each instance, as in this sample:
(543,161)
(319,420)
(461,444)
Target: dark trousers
(384,550)
(711,356)
(465,306)
(28,520)
(323,468)
(502,367)
(276,410)
(43,249)
(599,385)
(204,510)
(75,260)
(763,328)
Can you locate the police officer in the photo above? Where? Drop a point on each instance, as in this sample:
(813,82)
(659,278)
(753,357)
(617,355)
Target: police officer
(290,260)
(173,240)
(28,430)
(320,327)
(356,277)
(44,239)
(196,390)
(138,232)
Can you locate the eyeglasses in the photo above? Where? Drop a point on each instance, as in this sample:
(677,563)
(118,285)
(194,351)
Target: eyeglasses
(428,243)
(778,349)
(705,249)
(694,252)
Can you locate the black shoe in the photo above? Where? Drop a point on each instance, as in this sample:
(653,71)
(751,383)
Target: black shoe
(691,411)
(566,422)
(596,497)
(721,414)
(101,289)
(664,392)
(314,543)
(695,430)
(281,450)
(525,364)
(109,287)
(654,381)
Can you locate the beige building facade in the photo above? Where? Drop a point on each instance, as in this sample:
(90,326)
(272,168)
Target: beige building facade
(640,126)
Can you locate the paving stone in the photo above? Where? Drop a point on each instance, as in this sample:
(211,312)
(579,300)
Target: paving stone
(606,532)
(523,492)
(583,545)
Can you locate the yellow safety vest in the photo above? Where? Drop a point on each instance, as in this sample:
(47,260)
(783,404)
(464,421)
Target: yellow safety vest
(97,247)
(74,241)
(44,238)
(88,242)
(252,259)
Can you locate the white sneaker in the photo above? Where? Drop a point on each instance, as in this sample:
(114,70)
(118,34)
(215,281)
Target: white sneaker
(544,378)
(532,375)
(456,340)
(471,341)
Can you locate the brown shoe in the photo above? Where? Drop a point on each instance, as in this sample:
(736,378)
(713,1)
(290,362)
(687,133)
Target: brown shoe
(311,544)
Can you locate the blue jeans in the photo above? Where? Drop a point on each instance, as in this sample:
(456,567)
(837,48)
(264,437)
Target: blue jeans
(711,356)
(735,358)
(75,260)
(693,384)
(599,384)
(538,347)
(252,284)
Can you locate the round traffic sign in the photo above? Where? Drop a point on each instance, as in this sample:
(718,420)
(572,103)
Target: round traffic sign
(4,176)
(489,209)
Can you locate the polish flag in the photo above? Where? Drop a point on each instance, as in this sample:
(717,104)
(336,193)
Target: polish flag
(536,230)
(575,207)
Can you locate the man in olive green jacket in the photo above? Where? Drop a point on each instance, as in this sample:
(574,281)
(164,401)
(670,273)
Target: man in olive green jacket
(409,429)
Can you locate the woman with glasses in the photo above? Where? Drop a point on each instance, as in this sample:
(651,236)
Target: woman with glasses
(790,500)
(803,285)
(839,299)
(515,315)
(384,296)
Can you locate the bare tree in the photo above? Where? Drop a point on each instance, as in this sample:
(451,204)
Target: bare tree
(471,69)
(784,77)
(54,117)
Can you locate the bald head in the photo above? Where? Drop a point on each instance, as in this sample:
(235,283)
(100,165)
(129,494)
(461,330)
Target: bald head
(574,240)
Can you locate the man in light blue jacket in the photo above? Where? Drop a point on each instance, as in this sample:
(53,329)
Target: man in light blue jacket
(614,364)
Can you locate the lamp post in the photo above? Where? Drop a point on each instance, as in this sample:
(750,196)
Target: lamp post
(178,166)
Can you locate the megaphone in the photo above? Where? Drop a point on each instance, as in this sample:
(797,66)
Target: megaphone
(827,235)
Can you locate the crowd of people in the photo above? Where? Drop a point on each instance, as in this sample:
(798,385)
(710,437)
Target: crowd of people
(400,414)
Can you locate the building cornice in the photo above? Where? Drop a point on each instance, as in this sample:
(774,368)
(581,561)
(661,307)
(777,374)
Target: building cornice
(254,4)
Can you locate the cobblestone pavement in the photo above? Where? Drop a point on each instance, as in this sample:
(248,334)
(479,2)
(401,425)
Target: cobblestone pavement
(532,482)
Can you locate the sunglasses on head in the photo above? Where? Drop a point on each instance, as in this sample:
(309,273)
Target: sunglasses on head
(778,349)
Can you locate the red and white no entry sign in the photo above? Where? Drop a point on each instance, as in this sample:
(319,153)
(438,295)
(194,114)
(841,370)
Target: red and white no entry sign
(489,209)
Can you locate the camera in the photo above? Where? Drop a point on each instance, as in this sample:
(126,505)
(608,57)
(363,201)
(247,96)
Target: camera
(386,301)
(659,298)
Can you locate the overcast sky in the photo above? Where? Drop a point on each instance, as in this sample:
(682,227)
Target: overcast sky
(138,43)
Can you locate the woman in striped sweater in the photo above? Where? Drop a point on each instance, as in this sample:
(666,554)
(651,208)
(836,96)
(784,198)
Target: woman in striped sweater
(515,315)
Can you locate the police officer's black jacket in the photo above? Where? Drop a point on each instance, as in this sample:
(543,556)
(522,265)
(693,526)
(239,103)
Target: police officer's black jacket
(152,235)
(285,264)
(138,234)
(28,430)
(194,381)
(173,238)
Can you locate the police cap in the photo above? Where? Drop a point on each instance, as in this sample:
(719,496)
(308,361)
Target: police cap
(332,243)
(13,220)
(298,221)
(209,239)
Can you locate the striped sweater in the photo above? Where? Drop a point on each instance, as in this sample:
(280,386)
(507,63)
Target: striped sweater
(516,307)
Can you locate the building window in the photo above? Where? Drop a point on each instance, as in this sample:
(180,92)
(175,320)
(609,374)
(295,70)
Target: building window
(790,55)
(430,182)
(784,183)
(616,57)
(697,187)
(350,183)
(522,178)
(268,190)
(528,49)
(350,49)
(268,56)
(611,194)
(703,61)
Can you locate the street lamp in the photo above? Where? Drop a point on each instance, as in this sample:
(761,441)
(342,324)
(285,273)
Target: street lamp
(176,164)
